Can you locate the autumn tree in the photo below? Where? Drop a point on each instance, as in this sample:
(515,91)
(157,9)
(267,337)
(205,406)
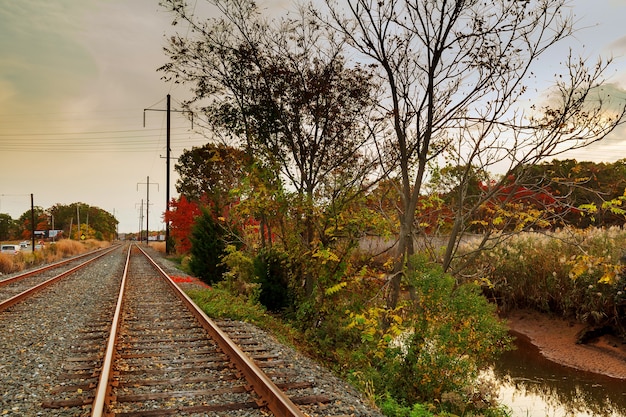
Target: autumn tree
(282,90)
(209,239)
(7,227)
(212,173)
(101,224)
(26,225)
(595,190)
(182,215)
(455,75)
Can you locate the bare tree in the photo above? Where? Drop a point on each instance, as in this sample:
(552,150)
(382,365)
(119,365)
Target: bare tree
(456,73)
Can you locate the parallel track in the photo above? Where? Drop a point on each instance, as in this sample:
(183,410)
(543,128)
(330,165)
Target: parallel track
(19,287)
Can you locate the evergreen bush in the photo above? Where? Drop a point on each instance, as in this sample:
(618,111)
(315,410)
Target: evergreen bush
(271,272)
(207,248)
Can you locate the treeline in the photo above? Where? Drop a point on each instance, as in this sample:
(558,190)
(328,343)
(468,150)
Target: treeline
(95,223)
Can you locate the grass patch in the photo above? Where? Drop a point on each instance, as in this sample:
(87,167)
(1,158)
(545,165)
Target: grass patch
(571,272)
(51,252)
(157,246)
(220,303)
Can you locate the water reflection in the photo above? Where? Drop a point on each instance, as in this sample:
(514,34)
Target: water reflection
(533,386)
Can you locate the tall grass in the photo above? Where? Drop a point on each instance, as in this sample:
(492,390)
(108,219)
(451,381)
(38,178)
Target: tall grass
(158,246)
(51,252)
(570,272)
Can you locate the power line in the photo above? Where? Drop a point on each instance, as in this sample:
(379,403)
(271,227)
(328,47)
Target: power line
(96,132)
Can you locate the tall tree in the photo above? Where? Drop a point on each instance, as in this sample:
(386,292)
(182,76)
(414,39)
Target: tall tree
(284,90)
(102,224)
(7,227)
(455,74)
(182,215)
(212,172)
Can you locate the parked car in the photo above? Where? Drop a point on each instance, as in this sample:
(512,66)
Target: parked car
(24,244)
(10,249)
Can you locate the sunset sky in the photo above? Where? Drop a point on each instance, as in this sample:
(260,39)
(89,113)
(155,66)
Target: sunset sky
(76,76)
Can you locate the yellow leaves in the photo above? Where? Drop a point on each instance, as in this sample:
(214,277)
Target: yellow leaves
(516,214)
(588,209)
(325,255)
(587,264)
(484,282)
(336,288)
(614,206)
(610,274)
(578,269)
(388,265)
(370,324)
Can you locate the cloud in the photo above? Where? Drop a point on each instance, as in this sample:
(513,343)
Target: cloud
(618,47)
(40,57)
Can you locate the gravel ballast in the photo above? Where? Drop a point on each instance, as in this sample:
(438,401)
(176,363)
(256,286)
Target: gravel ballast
(38,335)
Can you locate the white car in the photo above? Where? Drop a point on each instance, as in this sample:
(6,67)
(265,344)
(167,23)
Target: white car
(10,249)
(24,244)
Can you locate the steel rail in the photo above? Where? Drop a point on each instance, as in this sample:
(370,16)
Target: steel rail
(25,294)
(103,388)
(45,268)
(272,396)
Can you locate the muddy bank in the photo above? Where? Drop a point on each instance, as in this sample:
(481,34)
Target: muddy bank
(556,339)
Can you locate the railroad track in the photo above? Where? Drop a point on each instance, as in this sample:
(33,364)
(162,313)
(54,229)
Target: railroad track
(165,356)
(21,286)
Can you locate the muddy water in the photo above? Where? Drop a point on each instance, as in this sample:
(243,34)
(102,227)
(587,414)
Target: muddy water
(532,386)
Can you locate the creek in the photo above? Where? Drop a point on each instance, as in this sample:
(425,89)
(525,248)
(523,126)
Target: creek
(532,386)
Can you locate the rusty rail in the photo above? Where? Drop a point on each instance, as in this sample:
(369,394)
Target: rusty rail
(273,397)
(104,386)
(47,267)
(25,294)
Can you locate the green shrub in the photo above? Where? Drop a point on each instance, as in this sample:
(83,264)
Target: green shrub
(207,248)
(454,333)
(271,272)
(391,408)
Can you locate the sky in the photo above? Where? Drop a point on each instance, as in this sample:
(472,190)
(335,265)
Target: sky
(76,76)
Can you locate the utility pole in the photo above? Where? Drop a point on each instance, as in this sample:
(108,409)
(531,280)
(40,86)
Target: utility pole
(147,184)
(32,222)
(78,220)
(167,166)
(167,179)
(140,221)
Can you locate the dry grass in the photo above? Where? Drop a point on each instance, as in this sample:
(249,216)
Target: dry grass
(571,272)
(6,263)
(67,247)
(50,253)
(158,246)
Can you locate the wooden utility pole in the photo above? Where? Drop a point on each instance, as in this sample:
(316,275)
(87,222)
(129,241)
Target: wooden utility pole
(148,184)
(167,180)
(140,221)
(168,110)
(32,222)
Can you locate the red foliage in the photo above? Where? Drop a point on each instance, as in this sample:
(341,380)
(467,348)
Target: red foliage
(516,193)
(434,217)
(179,279)
(181,216)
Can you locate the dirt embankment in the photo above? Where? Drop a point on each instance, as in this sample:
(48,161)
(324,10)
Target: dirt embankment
(557,340)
